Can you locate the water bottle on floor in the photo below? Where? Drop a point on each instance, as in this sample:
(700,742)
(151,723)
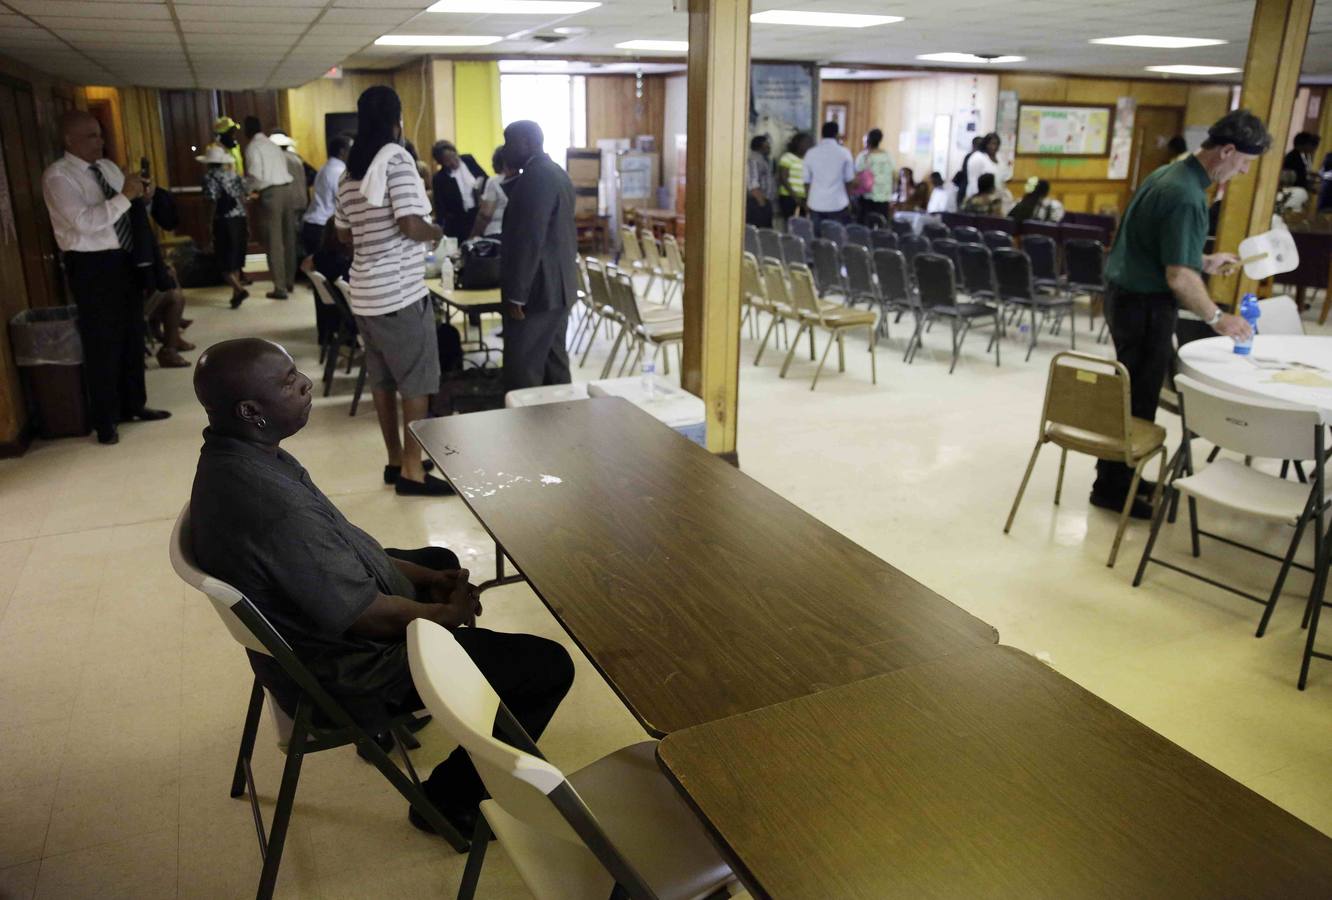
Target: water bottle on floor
(649,379)
(1250,311)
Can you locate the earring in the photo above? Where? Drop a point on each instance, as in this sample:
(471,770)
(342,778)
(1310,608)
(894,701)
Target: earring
(261,422)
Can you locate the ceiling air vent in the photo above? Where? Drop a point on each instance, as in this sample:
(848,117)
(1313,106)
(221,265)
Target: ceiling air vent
(550,38)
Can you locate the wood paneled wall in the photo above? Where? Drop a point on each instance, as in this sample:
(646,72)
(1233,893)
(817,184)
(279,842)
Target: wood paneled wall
(1081,184)
(614,112)
(861,112)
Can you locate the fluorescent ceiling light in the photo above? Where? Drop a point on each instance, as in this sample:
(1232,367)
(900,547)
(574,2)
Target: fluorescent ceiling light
(1195,70)
(820,19)
(1159,41)
(437,40)
(512,7)
(969,58)
(662,46)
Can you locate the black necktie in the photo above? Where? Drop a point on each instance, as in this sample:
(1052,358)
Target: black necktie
(122,224)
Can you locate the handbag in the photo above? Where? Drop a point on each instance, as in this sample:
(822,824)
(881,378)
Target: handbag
(863,183)
(480,265)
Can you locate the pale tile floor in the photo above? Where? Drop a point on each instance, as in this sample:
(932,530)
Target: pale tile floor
(122,696)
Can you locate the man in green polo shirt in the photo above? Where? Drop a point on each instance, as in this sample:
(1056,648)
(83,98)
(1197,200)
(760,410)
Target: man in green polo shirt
(1157,264)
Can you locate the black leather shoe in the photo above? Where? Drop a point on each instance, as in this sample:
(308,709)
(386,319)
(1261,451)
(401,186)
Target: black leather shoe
(1140,509)
(391,473)
(108,436)
(462,819)
(431,487)
(148,415)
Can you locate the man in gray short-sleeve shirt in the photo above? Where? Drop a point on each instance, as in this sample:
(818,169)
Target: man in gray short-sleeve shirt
(259,523)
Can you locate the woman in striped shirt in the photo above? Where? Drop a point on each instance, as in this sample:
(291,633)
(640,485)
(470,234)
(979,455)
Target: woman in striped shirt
(382,211)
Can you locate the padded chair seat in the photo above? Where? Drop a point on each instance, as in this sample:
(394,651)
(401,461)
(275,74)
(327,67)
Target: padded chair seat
(1230,483)
(649,822)
(1040,301)
(652,312)
(1144,437)
(963,310)
(840,316)
(669,330)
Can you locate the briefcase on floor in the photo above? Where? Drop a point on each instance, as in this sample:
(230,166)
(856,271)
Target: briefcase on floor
(467,391)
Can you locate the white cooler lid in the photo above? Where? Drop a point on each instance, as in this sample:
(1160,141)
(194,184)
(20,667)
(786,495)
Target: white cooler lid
(669,403)
(552,393)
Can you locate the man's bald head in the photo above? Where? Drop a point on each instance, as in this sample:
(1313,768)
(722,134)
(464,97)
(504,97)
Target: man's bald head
(251,388)
(82,134)
(522,141)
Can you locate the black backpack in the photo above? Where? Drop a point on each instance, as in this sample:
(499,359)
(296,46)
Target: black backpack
(480,265)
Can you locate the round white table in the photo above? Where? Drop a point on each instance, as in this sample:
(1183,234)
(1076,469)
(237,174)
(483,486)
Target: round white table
(1287,367)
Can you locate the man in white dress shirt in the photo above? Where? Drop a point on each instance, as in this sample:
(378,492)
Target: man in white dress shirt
(88,199)
(829,170)
(320,209)
(266,172)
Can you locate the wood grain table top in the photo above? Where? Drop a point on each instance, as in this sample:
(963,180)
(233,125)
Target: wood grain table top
(466,299)
(697,592)
(984,774)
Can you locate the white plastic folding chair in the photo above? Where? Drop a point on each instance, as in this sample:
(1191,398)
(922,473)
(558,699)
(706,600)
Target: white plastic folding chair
(300,734)
(1264,429)
(615,828)
(1279,315)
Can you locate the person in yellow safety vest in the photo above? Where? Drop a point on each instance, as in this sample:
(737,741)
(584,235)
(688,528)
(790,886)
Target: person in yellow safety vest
(227,130)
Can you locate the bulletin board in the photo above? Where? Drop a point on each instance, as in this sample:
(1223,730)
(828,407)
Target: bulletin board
(1054,130)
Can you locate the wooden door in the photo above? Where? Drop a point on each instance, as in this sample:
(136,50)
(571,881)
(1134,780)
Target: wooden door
(263,104)
(1153,127)
(29,274)
(187,127)
(25,158)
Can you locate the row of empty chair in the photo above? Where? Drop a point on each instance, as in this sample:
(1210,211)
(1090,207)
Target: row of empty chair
(640,253)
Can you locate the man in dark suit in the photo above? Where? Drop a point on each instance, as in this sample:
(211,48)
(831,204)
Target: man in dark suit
(540,250)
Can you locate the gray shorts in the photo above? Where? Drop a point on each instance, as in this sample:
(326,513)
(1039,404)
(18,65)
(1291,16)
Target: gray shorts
(402,351)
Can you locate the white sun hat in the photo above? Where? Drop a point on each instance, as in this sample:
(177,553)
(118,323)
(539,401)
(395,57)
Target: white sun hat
(216,154)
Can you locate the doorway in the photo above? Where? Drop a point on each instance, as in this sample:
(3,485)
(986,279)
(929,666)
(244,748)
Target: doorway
(1153,127)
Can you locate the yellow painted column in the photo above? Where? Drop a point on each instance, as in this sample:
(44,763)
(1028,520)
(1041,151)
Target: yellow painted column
(715,211)
(478,129)
(1271,76)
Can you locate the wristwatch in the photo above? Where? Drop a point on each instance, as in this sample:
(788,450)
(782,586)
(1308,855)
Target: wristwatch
(1216,316)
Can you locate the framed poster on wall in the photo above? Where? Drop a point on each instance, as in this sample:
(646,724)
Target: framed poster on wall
(1057,130)
(835,112)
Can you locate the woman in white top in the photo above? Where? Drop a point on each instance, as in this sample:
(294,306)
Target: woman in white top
(986,162)
(494,197)
(382,212)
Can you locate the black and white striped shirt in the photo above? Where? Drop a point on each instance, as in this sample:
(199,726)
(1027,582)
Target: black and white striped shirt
(388,269)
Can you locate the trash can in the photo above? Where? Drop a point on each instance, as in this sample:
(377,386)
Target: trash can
(49,355)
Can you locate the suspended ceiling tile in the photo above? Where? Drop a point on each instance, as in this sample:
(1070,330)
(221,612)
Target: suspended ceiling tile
(225,16)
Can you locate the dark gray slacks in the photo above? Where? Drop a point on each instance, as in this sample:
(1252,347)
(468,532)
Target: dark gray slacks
(534,350)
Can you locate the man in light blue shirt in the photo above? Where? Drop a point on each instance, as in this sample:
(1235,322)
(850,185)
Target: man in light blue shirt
(325,195)
(829,170)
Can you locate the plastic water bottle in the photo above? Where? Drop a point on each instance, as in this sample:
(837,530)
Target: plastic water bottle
(1250,311)
(649,379)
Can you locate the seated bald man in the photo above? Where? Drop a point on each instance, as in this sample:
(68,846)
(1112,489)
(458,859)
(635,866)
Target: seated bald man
(341,600)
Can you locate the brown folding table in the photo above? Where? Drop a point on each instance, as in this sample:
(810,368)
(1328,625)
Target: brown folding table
(983,774)
(697,592)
